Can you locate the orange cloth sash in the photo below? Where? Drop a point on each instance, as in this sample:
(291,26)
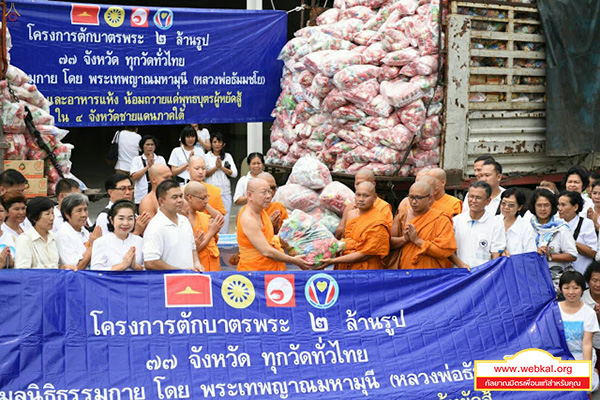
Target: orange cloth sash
(250,257)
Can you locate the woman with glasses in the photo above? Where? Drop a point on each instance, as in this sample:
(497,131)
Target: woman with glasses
(520,237)
(586,240)
(553,237)
(256,162)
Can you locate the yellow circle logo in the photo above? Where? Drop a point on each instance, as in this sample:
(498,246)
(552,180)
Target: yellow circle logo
(114,16)
(238,291)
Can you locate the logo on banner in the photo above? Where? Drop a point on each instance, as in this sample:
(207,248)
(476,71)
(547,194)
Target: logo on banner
(84,14)
(279,291)
(188,290)
(238,291)
(321,291)
(114,16)
(163,19)
(139,17)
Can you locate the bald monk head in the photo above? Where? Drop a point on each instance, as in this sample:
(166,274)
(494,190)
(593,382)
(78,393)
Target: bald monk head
(365,196)
(259,194)
(158,173)
(270,180)
(422,172)
(196,196)
(364,175)
(440,176)
(419,197)
(197,168)
(430,180)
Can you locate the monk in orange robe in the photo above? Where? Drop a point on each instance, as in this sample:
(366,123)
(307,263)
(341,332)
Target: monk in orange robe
(450,205)
(197,171)
(367,234)
(260,249)
(206,229)
(365,175)
(277,211)
(428,239)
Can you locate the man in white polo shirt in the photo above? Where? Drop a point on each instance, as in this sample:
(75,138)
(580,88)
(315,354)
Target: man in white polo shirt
(491,173)
(169,239)
(479,236)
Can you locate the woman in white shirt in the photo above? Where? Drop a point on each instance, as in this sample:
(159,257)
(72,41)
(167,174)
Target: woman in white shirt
(520,237)
(7,242)
(141,164)
(16,213)
(220,168)
(180,156)
(203,134)
(73,240)
(576,180)
(120,250)
(256,162)
(582,229)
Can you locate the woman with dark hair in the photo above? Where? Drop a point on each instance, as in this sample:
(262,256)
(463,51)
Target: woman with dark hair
(7,242)
(180,156)
(220,168)
(36,247)
(256,162)
(520,237)
(582,229)
(577,180)
(141,164)
(593,213)
(16,212)
(553,236)
(119,250)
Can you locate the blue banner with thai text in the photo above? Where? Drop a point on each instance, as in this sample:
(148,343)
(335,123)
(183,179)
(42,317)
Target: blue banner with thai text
(255,335)
(106,65)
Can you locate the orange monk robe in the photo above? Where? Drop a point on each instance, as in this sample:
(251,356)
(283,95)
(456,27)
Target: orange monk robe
(209,256)
(283,214)
(250,257)
(369,234)
(435,228)
(215,200)
(385,209)
(449,205)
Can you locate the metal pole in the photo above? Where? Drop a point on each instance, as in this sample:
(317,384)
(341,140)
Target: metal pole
(254,129)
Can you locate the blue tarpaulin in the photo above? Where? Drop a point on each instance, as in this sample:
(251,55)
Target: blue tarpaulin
(253,335)
(104,65)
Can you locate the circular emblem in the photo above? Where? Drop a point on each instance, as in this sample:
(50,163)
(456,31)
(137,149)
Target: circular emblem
(483,243)
(238,291)
(114,16)
(163,19)
(321,291)
(280,290)
(139,17)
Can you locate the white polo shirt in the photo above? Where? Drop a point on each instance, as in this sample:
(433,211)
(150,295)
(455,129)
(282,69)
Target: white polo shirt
(520,237)
(172,243)
(141,185)
(35,252)
(491,208)
(71,244)
(587,236)
(476,240)
(109,250)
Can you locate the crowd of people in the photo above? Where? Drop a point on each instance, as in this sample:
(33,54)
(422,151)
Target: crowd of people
(168,215)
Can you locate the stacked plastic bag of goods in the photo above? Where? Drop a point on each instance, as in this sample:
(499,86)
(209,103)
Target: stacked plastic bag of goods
(22,144)
(355,89)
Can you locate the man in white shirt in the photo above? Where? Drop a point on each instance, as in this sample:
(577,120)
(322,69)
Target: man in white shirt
(129,147)
(491,173)
(479,236)
(169,241)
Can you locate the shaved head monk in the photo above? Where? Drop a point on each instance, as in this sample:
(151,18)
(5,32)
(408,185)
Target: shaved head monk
(206,229)
(260,249)
(365,175)
(197,170)
(428,240)
(277,211)
(443,201)
(367,233)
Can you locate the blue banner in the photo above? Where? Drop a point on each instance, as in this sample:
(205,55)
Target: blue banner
(330,335)
(104,65)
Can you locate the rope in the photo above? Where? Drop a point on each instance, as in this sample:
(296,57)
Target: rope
(299,8)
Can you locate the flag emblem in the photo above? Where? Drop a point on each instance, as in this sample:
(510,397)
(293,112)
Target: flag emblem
(85,14)
(188,290)
(163,19)
(139,17)
(321,291)
(279,291)
(114,16)
(238,291)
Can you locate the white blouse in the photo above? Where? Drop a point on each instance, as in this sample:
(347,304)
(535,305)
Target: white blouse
(520,237)
(109,251)
(220,178)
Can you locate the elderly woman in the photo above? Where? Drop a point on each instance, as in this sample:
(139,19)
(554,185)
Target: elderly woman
(119,250)
(256,162)
(141,164)
(36,247)
(74,242)
(16,212)
(586,241)
(553,236)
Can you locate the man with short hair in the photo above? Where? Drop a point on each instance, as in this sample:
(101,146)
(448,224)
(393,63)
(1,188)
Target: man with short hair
(206,229)
(479,161)
(120,187)
(491,173)
(480,237)
(260,249)
(277,211)
(157,173)
(365,175)
(367,234)
(428,240)
(197,170)
(12,180)
(443,201)
(169,241)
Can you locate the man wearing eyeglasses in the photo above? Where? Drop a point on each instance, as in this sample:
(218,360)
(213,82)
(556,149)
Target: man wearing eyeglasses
(277,211)
(197,171)
(428,239)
